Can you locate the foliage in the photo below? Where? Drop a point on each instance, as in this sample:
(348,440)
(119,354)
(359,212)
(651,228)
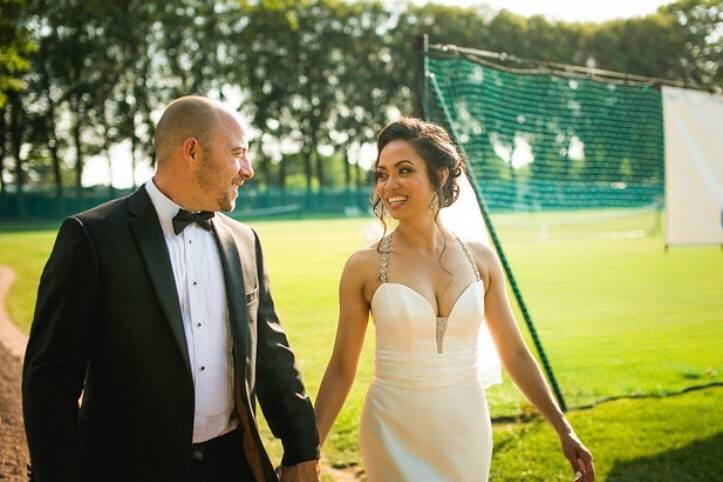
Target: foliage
(15,46)
(316,78)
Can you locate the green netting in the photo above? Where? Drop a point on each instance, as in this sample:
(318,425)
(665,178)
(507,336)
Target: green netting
(594,144)
(571,171)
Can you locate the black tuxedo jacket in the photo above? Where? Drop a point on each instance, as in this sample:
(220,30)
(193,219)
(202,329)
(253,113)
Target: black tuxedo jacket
(108,324)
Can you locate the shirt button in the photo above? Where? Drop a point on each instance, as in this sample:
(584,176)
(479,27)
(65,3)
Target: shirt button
(190,241)
(197,456)
(195,283)
(203,368)
(199,325)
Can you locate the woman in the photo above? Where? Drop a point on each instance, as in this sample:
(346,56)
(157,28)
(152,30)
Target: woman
(425,417)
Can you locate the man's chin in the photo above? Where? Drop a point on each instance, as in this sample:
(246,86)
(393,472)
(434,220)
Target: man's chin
(228,205)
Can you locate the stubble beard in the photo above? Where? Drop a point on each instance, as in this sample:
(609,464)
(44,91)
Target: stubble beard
(227,203)
(206,185)
(226,200)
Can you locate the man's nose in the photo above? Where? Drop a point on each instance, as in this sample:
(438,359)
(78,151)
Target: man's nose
(246,170)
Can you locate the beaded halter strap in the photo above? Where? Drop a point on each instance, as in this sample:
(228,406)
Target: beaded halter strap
(442,321)
(469,257)
(385,247)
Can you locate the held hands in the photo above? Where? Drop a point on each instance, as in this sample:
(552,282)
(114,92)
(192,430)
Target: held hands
(579,457)
(308,471)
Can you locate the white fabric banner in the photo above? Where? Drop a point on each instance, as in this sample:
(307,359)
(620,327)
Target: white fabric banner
(464,218)
(693,166)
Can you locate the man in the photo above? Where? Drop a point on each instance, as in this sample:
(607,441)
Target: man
(158,310)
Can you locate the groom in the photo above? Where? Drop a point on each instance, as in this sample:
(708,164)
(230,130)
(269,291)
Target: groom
(156,308)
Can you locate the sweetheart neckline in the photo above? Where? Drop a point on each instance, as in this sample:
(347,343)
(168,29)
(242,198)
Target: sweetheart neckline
(426,301)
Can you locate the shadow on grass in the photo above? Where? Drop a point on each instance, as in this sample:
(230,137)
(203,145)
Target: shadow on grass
(701,460)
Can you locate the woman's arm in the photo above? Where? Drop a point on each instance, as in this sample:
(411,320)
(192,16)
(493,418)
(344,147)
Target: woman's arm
(522,366)
(341,370)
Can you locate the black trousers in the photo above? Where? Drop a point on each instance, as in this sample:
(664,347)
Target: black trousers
(220,460)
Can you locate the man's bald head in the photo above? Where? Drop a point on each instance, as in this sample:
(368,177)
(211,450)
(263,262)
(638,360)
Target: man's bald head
(189,116)
(201,152)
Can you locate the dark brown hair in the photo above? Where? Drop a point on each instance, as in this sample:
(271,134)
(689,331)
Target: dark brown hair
(435,146)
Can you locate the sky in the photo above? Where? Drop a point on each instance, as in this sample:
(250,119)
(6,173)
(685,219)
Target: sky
(568,10)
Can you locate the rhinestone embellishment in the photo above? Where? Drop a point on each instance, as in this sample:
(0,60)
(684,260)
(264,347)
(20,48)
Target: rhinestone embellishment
(384,265)
(441,328)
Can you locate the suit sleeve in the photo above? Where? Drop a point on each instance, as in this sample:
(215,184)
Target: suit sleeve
(280,390)
(57,354)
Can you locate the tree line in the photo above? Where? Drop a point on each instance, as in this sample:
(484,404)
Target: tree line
(315,78)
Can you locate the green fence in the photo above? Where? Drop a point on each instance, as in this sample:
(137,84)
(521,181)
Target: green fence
(251,203)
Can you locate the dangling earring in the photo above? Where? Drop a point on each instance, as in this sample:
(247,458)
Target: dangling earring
(434,203)
(379,209)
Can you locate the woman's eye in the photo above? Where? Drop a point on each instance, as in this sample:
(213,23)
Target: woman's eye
(404,170)
(379,175)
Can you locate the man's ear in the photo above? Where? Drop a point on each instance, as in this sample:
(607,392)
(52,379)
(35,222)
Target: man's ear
(191,149)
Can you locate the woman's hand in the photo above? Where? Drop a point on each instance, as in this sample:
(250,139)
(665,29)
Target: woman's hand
(579,457)
(302,472)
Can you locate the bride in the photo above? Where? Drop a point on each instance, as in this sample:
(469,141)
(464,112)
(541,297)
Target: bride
(425,417)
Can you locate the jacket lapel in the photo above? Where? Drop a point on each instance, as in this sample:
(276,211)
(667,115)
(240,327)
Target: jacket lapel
(235,294)
(238,319)
(234,282)
(149,236)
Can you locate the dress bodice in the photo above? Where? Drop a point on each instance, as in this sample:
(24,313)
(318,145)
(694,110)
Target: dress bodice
(413,345)
(406,323)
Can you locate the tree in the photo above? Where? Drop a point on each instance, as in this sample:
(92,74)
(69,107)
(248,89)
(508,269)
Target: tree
(267,73)
(15,46)
(368,84)
(700,25)
(17,129)
(317,53)
(70,34)
(313,74)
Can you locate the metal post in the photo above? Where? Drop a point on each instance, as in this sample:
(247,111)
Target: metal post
(421,48)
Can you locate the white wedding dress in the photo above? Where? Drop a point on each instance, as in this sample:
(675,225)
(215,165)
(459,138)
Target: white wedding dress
(425,417)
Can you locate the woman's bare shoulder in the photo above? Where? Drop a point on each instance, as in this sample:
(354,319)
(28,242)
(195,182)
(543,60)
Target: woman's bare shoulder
(363,263)
(363,258)
(485,258)
(361,272)
(481,252)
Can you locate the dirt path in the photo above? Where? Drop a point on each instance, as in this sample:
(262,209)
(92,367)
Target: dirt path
(13,450)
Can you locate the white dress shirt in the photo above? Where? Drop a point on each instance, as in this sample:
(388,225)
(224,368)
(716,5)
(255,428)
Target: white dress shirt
(202,295)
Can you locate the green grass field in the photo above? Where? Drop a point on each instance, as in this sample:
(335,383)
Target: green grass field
(616,314)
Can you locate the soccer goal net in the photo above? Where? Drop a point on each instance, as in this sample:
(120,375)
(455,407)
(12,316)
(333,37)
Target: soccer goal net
(569,165)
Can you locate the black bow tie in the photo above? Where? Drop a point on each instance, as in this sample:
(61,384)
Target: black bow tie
(184,218)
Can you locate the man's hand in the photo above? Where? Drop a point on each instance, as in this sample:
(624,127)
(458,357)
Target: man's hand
(308,471)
